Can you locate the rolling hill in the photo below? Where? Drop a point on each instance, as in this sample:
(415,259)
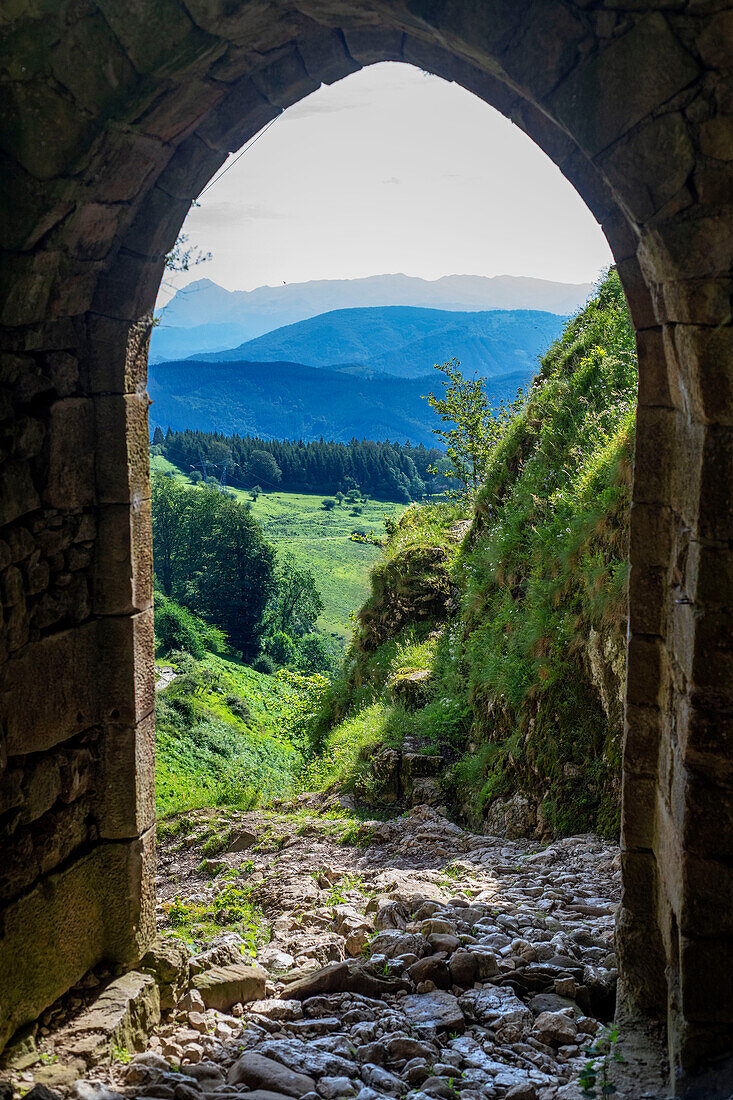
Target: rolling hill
(281,400)
(193,320)
(407,341)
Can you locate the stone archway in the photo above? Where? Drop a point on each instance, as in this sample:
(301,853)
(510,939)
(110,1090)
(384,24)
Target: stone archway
(114,116)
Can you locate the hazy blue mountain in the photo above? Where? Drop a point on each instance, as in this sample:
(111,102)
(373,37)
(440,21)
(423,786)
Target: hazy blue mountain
(279,400)
(407,341)
(252,313)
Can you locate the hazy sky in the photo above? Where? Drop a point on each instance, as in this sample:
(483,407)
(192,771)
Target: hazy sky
(392,170)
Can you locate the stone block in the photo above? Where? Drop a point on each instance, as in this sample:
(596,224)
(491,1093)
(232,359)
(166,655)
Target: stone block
(647,600)
(123,463)
(122,1016)
(284,80)
(621,84)
(38,719)
(547,49)
(638,799)
(97,907)
(18,494)
(160,39)
(650,535)
(653,459)
(325,56)
(167,961)
(651,165)
(242,112)
(704,355)
(126,667)
(715,508)
(224,986)
(370,45)
(89,62)
(70,480)
(44,129)
(190,168)
(157,223)
(657,370)
(128,289)
(647,673)
(116,355)
(704,964)
(123,567)
(641,741)
(126,795)
(121,165)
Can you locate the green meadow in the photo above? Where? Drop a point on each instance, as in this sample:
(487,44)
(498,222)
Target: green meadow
(319,540)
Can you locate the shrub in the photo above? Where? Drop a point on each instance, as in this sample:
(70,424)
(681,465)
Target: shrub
(177,628)
(238,707)
(281,648)
(264,663)
(314,653)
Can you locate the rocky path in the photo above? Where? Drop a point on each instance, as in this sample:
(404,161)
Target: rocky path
(405,959)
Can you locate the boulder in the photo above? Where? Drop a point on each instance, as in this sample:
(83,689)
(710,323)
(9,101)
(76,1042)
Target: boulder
(167,961)
(241,840)
(123,1015)
(500,1008)
(410,689)
(341,977)
(258,1072)
(555,1029)
(224,986)
(467,967)
(438,1011)
(431,969)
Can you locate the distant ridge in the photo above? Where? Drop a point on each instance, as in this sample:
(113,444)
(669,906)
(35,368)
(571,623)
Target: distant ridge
(407,341)
(202,306)
(279,400)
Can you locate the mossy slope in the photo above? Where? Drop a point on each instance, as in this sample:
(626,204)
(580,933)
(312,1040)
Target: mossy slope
(526,680)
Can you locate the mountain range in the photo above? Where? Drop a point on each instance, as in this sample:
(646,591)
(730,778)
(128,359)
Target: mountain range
(280,400)
(204,317)
(406,342)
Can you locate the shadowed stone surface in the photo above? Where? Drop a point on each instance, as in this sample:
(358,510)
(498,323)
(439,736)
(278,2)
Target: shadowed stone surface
(112,118)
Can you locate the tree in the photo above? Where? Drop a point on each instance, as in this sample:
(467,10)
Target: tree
(255,492)
(476,424)
(297,603)
(263,467)
(329,504)
(158,437)
(211,557)
(282,648)
(314,654)
(170,502)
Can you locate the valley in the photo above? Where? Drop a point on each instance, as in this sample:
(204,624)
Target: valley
(319,540)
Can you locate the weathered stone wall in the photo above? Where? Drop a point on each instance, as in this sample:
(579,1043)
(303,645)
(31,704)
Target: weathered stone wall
(112,117)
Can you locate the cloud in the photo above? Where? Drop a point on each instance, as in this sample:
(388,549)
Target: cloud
(212,215)
(393,179)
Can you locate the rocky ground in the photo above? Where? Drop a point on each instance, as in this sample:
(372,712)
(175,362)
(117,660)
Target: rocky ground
(404,958)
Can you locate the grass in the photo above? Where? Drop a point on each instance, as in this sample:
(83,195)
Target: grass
(208,754)
(319,540)
(518,698)
(231,909)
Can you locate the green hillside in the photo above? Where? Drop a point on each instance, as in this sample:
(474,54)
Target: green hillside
(517,632)
(294,401)
(320,540)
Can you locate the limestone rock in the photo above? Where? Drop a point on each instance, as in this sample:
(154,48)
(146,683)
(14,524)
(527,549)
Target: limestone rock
(257,1071)
(555,1029)
(342,977)
(167,961)
(122,1016)
(438,1011)
(224,986)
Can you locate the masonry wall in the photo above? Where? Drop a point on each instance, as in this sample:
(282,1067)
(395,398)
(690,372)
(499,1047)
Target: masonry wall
(76,792)
(112,118)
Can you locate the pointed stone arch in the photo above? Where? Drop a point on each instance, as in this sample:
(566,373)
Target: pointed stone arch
(114,116)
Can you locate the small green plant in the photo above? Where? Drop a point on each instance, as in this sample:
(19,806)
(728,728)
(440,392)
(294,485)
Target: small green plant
(121,1054)
(602,1054)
